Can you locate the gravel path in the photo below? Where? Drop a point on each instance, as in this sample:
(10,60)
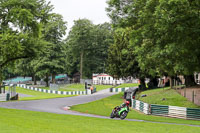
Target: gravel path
(60,105)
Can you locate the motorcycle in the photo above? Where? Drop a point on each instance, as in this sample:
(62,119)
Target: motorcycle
(120,112)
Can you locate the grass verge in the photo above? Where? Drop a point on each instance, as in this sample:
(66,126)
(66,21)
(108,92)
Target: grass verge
(35,95)
(79,87)
(20,121)
(104,107)
(165,96)
(127,85)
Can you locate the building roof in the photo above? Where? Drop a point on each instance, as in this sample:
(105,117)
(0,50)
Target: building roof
(101,75)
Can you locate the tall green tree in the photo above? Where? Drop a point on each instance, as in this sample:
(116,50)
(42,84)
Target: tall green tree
(52,60)
(122,61)
(164,36)
(96,58)
(20,29)
(80,41)
(87,46)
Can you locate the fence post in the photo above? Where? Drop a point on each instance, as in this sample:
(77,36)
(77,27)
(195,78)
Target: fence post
(193,96)
(150,109)
(184,92)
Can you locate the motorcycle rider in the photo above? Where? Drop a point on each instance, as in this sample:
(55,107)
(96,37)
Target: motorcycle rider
(120,111)
(124,105)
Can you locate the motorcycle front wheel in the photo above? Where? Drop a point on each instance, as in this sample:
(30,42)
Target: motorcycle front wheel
(123,115)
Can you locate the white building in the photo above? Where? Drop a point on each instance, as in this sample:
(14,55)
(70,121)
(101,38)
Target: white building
(106,79)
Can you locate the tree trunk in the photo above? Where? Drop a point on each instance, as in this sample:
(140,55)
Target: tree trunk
(34,79)
(53,78)
(189,80)
(0,76)
(171,82)
(47,80)
(81,65)
(142,85)
(153,83)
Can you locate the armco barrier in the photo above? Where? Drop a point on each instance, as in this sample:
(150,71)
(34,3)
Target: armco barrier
(159,110)
(177,112)
(140,106)
(164,110)
(193,114)
(119,89)
(88,92)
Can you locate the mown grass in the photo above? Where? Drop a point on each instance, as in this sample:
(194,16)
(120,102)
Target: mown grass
(104,107)
(73,87)
(166,96)
(35,95)
(127,85)
(20,121)
(102,87)
(79,87)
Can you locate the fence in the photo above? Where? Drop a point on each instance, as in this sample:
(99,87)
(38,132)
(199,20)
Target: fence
(115,82)
(88,81)
(107,82)
(88,92)
(165,110)
(192,94)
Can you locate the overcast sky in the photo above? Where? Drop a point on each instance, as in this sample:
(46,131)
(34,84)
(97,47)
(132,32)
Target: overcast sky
(71,10)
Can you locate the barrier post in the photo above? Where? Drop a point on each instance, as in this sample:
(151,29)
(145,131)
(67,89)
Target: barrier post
(193,96)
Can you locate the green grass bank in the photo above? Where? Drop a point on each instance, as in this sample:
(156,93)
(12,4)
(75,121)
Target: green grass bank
(104,107)
(20,121)
(165,96)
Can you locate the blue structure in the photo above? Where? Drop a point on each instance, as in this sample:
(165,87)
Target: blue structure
(17,80)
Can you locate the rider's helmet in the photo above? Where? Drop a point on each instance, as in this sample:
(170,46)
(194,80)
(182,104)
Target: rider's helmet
(127,103)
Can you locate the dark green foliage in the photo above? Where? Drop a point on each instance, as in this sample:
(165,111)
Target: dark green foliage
(164,36)
(20,29)
(121,58)
(87,46)
(51,60)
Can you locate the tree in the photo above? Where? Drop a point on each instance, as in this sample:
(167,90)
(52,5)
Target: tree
(79,40)
(122,60)
(173,37)
(52,59)
(124,20)
(26,67)
(98,53)
(87,46)
(20,29)
(164,34)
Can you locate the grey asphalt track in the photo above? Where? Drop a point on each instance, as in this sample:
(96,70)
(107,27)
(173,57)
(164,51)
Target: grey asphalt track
(56,105)
(59,105)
